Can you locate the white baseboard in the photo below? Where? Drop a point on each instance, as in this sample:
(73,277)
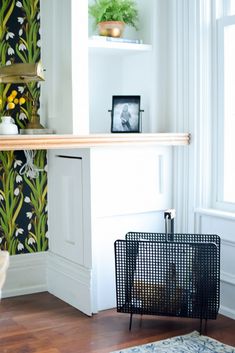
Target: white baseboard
(228,278)
(227,312)
(70,282)
(46,271)
(26,274)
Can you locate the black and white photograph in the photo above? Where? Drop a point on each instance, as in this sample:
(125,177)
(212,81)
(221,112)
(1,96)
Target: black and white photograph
(126,114)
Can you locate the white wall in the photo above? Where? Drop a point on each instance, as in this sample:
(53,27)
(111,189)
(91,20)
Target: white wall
(106,231)
(64,98)
(130,189)
(223,224)
(190,110)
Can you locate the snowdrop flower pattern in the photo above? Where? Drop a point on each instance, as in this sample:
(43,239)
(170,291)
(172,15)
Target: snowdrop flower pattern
(29,215)
(16,191)
(10,51)
(22,47)
(21,89)
(26,221)
(10,35)
(22,116)
(21,20)
(17,163)
(19,231)
(19,179)
(20,246)
(31,241)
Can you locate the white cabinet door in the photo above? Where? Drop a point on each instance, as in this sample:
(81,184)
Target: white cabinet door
(67,218)
(69,263)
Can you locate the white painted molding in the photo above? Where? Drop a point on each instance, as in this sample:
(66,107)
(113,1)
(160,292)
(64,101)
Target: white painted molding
(227,312)
(215,213)
(228,278)
(186,90)
(228,242)
(79,73)
(26,274)
(70,282)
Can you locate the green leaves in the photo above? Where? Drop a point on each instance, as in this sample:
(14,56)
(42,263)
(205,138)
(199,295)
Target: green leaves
(30,235)
(36,239)
(6,9)
(23,200)
(10,202)
(115,10)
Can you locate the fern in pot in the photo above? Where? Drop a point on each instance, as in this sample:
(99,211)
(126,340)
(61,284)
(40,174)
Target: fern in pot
(111,16)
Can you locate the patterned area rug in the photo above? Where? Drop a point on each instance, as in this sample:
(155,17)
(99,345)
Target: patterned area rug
(191,343)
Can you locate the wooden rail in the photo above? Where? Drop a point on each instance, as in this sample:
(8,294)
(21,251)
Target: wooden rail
(39,142)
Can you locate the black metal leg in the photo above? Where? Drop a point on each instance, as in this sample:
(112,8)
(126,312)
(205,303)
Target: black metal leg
(200,330)
(205,327)
(141,316)
(130,323)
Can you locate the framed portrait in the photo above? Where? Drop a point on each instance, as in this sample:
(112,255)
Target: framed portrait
(125,114)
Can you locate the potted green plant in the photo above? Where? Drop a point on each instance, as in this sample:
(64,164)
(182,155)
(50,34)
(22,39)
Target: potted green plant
(111,16)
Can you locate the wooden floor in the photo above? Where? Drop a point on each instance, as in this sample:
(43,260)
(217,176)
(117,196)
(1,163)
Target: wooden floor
(41,323)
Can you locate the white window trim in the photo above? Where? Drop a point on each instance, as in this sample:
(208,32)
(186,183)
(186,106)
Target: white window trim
(218,160)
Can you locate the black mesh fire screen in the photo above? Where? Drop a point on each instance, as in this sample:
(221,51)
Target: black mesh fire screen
(176,277)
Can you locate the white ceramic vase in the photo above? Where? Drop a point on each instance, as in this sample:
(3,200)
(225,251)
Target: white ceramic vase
(8,126)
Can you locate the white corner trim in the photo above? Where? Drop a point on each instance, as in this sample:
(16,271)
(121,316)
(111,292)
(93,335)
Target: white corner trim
(228,242)
(211,212)
(227,312)
(26,274)
(228,278)
(70,282)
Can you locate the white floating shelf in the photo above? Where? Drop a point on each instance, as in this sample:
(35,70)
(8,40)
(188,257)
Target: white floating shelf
(117,47)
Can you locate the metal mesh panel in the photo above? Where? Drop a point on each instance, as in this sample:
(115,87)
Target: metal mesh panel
(176,278)
(179,237)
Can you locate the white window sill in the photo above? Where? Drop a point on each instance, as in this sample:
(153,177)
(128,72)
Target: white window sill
(215,213)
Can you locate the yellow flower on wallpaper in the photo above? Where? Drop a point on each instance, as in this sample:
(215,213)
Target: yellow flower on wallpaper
(23,196)
(12,105)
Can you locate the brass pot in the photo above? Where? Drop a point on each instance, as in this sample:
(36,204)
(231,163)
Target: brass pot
(111,28)
(34,122)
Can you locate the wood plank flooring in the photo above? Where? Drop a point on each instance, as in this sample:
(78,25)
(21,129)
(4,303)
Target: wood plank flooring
(41,323)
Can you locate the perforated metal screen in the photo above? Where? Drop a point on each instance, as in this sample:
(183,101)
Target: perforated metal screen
(173,278)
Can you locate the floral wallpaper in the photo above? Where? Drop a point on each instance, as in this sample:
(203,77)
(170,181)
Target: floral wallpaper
(23,174)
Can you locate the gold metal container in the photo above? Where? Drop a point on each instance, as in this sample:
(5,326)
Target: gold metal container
(111,28)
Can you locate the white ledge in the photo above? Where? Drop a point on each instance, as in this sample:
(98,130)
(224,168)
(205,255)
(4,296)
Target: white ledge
(117,47)
(40,142)
(211,212)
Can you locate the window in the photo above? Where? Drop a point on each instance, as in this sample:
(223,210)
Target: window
(225,139)
(229,112)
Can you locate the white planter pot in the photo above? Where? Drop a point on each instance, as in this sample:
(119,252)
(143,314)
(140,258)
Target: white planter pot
(8,126)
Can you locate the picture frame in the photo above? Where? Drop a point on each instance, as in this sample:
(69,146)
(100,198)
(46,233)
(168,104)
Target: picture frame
(126,114)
